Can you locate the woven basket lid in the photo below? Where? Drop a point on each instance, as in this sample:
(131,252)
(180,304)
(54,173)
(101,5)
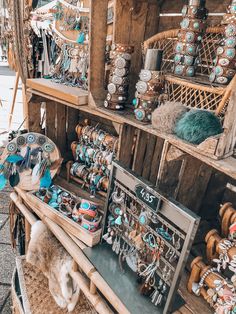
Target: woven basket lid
(35,293)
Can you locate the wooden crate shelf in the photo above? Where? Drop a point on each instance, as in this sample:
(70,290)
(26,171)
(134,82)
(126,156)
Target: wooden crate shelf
(227,165)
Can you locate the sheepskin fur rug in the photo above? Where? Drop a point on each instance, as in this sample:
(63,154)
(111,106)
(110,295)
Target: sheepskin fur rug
(197,125)
(165,117)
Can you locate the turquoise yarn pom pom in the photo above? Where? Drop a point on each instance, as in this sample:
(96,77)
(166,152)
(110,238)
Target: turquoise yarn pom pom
(197,125)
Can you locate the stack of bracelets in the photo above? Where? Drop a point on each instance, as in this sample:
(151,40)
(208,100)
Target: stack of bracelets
(148,90)
(225,69)
(82,211)
(189,37)
(219,282)
(93,153)
(118,80)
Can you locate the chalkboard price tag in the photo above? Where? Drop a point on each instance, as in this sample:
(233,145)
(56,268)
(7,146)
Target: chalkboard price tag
(147,197)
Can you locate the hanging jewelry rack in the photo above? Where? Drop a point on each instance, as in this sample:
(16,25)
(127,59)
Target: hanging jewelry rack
(169,230)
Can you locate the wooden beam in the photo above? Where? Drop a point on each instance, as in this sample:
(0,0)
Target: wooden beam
(13,99)
(34,115)
(50,125)
(98,32)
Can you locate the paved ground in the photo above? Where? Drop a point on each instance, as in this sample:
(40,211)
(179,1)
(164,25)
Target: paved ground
(7,258)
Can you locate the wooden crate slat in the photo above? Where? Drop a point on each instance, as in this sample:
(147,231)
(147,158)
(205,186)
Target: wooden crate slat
(150,150)
(156,158)
(61,127)
(50,125)
(72,118)
(126,153)
(34,114)
(194,182)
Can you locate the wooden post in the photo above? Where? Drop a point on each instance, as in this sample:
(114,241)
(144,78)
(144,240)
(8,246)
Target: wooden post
(27,234)
(50,123)
(14,99)
(34,113)
(98,32)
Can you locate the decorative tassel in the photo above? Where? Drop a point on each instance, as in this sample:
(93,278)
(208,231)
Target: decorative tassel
(14,178)
(46,180)
(3,182)
(36,174)
(13,159)
(26,162)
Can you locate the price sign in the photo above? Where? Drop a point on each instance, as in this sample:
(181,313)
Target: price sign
(146,197)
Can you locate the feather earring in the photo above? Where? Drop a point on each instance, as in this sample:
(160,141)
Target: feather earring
(36,173)
(46,180)
(3,180)
(26,162)
(14,178)
(81,38)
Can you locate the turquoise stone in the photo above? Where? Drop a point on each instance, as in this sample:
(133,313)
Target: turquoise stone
(81,38)
(218,70)
(134,101)
(117,210)
(142,219)
(178,47)
(118,221)
(85,206)
(177,58)
(139,114)
(190,71)
(196,25)
(178,70)
(230,53)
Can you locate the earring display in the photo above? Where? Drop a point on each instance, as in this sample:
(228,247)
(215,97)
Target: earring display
(149,234)
(29,161)
(93,155)
(224,65)
(70,65)
(148,90)
(118,86)
(193,27)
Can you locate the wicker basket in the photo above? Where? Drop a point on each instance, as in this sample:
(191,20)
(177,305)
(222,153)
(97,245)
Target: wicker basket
(30,294)
(198,92)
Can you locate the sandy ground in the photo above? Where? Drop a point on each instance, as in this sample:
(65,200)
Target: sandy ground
(7,258)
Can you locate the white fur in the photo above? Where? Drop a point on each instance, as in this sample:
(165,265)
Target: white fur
(46,253)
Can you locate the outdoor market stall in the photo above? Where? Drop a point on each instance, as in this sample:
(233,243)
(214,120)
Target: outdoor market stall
(129,160)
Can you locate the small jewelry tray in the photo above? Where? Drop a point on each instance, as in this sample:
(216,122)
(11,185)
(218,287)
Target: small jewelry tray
(68,224)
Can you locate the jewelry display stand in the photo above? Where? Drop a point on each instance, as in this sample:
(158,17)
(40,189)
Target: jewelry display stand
(180,222)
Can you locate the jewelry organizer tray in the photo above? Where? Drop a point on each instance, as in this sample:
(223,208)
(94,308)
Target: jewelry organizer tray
(143,251)
(68,224)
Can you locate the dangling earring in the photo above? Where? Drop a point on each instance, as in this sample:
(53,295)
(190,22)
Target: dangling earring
(178,244)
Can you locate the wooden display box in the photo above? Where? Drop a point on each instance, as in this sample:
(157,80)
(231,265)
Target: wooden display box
(89,238)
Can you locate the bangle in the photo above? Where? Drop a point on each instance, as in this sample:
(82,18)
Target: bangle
(89,223)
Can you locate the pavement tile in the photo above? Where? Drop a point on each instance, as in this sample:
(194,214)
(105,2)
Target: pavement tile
(3,219)
(8,307)
(7,263)
(5,233)
(4,292)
